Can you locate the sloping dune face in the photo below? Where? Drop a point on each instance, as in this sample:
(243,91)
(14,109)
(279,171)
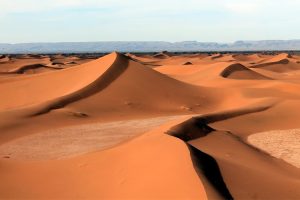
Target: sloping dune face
(281,63)
(150,126)
(249,58)
(48,86)
(238,71)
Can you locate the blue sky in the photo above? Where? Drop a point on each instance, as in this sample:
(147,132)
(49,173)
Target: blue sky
(148,20)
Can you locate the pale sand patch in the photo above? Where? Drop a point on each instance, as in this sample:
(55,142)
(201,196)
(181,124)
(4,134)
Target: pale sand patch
(76,140)
(282,144)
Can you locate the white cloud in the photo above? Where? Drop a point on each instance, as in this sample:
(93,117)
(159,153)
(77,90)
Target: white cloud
(233,5)
(14,6)
(243,7)
(153,19)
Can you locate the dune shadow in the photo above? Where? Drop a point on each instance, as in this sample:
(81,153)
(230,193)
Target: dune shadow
(197,127)
(210,169)
(116,69)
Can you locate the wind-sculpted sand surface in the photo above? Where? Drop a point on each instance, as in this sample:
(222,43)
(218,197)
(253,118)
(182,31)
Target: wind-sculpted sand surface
(282,144)
(76,140)
(150,126)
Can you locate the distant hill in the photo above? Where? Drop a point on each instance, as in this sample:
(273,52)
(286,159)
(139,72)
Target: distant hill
(84,47)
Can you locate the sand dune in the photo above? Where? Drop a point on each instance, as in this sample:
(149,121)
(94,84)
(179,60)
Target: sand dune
(239,71)
(4,58)
(41,91)
(67,61)
(14,63)
(280,63)
(248,173)
(33,69)
(124,90)
(17,62)
(162,55)
(249,58)
(235,156)
(215,56)
(187,63)
(281,66)
(116,88)
(156,126)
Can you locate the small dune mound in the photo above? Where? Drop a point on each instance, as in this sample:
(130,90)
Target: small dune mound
(35,56)
(167,53)
(239,71)
(56,62)
(247,58)
(289,55)
(283,57)
(226,58)
(187,63)
(281,61)
(162,55)
(220,57)
(32,69)
(279,64)
(200,56)
(215,56)
(67,60)
(57,56)
(30,56)
(71,63)
(4,58)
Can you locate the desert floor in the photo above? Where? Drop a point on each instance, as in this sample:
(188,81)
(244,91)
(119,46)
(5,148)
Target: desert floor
(156,126)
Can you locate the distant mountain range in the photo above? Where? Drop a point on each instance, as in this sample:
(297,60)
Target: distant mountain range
(155,46)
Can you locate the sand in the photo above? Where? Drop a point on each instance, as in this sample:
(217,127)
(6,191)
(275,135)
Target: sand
(156,126)
(282,144)
(76,140)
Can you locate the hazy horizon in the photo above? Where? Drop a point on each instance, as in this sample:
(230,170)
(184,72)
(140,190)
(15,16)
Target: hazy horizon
(232,42)
(219,21)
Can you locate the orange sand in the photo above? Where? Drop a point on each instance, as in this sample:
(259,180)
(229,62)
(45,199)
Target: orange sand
(123,126)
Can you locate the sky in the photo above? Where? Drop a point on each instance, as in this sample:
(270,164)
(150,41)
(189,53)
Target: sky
(23,21)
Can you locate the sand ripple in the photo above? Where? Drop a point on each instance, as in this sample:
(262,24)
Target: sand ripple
(282,144)
(75,140)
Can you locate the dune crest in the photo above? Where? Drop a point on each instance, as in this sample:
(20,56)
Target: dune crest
(73,79)
(166,126)
(239,71)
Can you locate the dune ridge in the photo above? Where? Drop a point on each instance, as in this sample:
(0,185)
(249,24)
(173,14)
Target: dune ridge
(239,71)
(118,66)
(150,126)
(37,81)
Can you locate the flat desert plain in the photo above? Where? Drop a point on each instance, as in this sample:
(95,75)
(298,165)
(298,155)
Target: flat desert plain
(150,126)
